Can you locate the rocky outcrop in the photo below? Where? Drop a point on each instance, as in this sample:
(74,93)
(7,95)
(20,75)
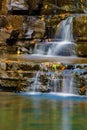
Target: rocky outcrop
(80,34)
(3,7)
(45,77)
(48,7)
(16,75)
(63,6)
(72,5)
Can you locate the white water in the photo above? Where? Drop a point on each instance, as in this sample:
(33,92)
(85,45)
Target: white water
(67,84)
(64,31)
(63,41)
(35,86)
(62,45)
(71,85)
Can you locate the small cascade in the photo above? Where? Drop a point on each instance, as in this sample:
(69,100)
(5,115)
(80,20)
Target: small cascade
(67,84)
(49,80)
(42,48)
(56,85)
(63,43)
(64,32)
(35,85)
(71,85)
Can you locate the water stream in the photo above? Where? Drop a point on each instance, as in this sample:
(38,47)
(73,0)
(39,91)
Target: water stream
(63,43)
(64,30)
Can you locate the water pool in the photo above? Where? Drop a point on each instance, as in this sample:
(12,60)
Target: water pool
(30,111)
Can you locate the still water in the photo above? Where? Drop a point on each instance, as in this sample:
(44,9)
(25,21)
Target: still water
(42,112)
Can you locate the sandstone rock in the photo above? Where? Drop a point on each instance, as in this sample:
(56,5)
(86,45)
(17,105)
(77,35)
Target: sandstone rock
(82,49)
(80,27)
(80,34)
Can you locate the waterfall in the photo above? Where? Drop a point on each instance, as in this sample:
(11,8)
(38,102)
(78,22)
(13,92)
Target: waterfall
(55,84)
(55,2)
(71,85)
(64,32)
(35,85)
(67,84)
(65,45)
(62,44)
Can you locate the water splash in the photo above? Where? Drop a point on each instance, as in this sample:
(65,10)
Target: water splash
(63,48)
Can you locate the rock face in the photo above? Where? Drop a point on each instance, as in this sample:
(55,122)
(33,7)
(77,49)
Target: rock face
(80,34)
(1,5)
(63,6)
(72,5)
(43,77)
(45,17)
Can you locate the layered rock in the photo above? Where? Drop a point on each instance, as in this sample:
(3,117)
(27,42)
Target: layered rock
(45,77)
(17,75)
(80,34)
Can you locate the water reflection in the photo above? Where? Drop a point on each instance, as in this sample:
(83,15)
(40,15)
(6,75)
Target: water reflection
(40,112)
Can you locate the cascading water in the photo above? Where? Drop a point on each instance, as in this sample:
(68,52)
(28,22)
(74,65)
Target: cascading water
(62,44)
(67,84)
(64,32)
(65,45)
(56,84)
(35,86)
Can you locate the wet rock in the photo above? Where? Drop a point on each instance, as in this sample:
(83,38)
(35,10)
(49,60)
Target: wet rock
(43,78)
(26,66)
(36,67)
(70,66)
(82,90)
(44,89)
